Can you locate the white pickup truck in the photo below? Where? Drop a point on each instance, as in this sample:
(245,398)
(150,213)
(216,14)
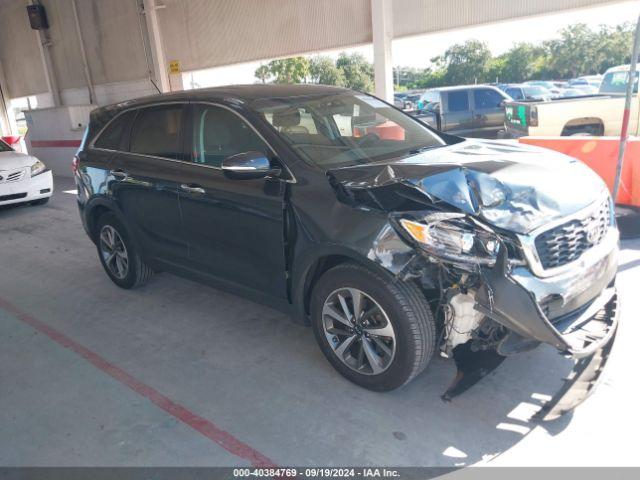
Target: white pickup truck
(599,114)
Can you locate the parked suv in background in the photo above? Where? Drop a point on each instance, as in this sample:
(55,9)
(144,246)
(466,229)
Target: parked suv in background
(392,240)
(528,92)
(468,111)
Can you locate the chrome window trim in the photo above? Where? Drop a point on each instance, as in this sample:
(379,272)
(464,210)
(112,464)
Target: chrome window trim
(527,241)
(92,146)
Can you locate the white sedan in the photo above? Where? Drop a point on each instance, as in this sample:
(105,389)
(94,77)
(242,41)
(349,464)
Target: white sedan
(23,178)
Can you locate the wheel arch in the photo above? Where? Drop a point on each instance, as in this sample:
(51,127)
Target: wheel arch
(315,266)
(96,209)
(583,122)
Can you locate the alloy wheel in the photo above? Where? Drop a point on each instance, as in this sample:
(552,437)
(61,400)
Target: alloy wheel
(114,252)
(358,331)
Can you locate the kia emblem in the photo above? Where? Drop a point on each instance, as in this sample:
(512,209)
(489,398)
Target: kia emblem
(592,234)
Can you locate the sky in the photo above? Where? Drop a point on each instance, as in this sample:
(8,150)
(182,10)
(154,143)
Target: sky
(417,51)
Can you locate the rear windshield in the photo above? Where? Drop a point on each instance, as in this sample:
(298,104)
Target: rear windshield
(616,82)
(341,129)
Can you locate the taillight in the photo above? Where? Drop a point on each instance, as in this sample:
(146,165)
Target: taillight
(533,116)
(75,164)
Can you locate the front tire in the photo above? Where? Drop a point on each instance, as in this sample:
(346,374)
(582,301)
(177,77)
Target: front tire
(118,255)
(377,332)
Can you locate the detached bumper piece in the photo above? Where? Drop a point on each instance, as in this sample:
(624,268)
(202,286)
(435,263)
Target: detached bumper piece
(580,383)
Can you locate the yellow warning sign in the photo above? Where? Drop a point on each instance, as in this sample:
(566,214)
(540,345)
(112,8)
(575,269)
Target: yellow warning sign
(174,66)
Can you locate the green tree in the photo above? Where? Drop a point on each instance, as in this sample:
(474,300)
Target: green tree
(614,46)
(263,73)
(465,63)
(574,52)
(518,64)
(323,70)
(285,70)
(431,78)
(358,72)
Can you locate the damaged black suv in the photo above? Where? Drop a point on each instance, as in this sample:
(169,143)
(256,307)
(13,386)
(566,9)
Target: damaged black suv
(394,241)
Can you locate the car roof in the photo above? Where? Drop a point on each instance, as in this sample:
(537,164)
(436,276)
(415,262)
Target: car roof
(462,87)
(230,93)
(619,68)
(237,94)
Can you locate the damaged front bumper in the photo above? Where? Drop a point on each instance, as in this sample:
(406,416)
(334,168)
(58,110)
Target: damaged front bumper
(574,311)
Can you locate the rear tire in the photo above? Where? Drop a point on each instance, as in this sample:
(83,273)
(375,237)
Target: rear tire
(379,362)
(118,255)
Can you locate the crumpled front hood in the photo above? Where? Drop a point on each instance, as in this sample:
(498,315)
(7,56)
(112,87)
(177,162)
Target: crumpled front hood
(512,187)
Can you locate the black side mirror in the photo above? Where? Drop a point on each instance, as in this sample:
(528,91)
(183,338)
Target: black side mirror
(247,166)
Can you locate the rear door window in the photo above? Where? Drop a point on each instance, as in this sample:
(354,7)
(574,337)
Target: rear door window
(458,101)
(115,135)
(156,132)
(514,93)
(485,98)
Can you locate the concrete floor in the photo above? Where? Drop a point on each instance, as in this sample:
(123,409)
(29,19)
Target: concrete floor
(233,381)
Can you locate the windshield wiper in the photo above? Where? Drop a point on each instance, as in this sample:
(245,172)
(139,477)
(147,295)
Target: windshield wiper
(418,150)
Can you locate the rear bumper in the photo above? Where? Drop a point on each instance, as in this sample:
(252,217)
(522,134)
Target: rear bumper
(27,190)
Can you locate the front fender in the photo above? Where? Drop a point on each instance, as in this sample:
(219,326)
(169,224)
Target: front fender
(386,253)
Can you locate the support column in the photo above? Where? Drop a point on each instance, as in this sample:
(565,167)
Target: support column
(151,8)
(44,43)
(7,126)
(83,54)
(382,27)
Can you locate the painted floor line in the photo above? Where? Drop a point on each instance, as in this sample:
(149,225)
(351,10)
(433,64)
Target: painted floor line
(203,426)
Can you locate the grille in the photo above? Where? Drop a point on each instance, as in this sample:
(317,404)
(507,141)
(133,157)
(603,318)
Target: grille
(11,176)
(567,242)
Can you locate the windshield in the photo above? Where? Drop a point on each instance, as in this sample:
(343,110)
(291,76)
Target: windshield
(535,91)
(616,82)
(342,129)
(4,147)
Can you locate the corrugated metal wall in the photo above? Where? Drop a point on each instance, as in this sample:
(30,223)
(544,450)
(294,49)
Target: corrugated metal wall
(414,17)
(19,51)
(111,34)
(112,39)
(209,33)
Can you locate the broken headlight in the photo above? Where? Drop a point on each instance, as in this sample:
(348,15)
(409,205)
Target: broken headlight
(453,237)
